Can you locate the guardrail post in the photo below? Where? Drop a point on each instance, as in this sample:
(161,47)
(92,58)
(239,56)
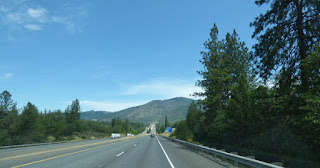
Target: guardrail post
(207,152)
(222,158)
(235,163)
(214,155)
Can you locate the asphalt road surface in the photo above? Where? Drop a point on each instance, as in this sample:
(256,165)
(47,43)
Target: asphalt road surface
(131,152)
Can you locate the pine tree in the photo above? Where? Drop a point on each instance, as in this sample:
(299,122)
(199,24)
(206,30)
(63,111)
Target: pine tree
(113,122)
(8,119)
(166,122)
(226,77)
(287,34)
(6,104)
(73,116)
(126,121)
(30,126)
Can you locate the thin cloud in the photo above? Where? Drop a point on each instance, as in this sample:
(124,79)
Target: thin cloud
(19,15)
(87,105)
(33,27)
(6,76)
(164,88)
(65,21)
(3,9)
(38,15)
(15,18)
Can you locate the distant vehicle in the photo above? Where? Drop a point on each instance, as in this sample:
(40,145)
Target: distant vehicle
(115,135)
(129,134)
(152,135)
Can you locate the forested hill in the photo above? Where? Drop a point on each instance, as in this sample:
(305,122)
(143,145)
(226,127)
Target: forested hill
(92,115)
(155,111)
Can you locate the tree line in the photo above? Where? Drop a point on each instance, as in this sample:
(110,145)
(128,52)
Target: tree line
(32,126)
(264,102)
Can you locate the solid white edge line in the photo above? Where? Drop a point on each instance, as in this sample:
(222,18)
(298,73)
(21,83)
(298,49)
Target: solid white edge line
(120,153)
(165,153)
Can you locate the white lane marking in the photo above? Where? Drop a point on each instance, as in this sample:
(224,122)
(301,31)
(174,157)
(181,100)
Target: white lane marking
(120,154)
(135,145)
(165,153)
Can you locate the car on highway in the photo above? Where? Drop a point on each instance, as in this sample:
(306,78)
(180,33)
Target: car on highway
(152,135)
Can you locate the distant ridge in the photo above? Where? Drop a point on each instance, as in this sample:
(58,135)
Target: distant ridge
(154,111)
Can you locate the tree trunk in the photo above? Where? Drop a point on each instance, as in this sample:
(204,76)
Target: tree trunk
(301,44)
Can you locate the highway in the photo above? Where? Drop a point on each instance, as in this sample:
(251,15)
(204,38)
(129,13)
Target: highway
(130,152)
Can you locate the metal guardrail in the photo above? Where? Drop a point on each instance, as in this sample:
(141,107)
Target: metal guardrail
(47,143)
(235,158)
(35,144)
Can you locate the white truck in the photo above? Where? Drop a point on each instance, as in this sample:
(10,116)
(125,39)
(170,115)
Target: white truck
(115,135)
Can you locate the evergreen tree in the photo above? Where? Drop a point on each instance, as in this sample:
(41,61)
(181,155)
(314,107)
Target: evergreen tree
(226,81)
(113,122)
(126,125)
(59,124)
(166,122)
(8,119)
(73,116)
(182,131)
(287,34)
(30,126)
(6,104)
(194,121)
(307,123)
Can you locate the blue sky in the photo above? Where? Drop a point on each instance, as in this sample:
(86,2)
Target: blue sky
(110,54)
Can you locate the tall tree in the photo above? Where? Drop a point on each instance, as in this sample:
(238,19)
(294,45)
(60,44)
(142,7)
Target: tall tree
(8,119)
(225,74)
(6,104)
(113,122)
(126,121)
(73,116)
(286,34)
(166,122)
(31,128)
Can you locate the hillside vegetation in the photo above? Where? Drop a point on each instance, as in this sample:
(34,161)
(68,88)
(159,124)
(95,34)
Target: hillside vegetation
(155,111)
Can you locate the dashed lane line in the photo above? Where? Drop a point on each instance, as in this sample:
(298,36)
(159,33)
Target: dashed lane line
(120,153)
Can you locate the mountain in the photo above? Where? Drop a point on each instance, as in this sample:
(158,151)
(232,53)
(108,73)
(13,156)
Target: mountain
(155,111)
(93,115)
